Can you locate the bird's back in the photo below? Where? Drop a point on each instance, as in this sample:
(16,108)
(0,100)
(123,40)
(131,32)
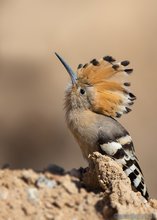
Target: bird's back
(115,142)
(107,136)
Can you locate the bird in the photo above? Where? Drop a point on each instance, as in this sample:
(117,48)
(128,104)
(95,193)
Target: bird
(96,96)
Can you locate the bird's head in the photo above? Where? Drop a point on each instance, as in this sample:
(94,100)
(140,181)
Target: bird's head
(78,94)
(99,86)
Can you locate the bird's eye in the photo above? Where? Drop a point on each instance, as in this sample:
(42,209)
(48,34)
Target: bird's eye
(82,91)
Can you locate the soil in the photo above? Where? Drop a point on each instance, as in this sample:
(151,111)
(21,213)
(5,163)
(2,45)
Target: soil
(101,191)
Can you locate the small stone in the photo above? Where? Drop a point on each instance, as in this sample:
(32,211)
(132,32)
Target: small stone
(52,168)
(49,216)
(89,200)
(32,194)
(75,172)
(69,186)
(3,193)
(42,182)
(29,176)
(48,205)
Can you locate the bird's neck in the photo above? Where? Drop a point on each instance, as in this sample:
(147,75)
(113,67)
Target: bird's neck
(79,118)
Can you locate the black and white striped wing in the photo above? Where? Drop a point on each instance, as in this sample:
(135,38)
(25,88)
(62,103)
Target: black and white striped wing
(122,150)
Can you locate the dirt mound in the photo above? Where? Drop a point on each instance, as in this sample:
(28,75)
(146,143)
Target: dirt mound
(101,191)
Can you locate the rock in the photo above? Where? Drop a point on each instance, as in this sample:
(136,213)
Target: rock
(69,186)
(3,193)
(100,192)
(42,181)
(32,194)
(29,176)
(117,187)
(52,168)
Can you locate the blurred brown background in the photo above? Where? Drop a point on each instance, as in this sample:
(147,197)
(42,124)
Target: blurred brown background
(33,132)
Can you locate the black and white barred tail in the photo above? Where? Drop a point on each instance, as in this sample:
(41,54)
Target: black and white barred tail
(122,150)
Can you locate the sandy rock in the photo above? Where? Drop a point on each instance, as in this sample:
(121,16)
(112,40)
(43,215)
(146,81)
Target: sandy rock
(101,191)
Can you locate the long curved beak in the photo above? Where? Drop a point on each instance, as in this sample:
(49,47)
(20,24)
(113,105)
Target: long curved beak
(68,68)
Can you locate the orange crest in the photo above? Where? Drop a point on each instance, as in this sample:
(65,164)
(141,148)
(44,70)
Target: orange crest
(109,79)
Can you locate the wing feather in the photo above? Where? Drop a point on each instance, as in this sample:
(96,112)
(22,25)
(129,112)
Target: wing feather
(122,150)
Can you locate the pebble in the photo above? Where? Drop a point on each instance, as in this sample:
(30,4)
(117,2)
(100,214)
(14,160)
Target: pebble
(3,194)
(52,168)
(48,205)
(42,182)
(75,172)
(32,194)
(69,186)
(49,216)
(29,176)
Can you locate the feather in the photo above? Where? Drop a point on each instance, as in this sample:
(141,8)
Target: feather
(122,150)
(109,79)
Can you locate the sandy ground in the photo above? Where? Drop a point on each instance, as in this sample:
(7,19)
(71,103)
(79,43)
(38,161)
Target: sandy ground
(101,191)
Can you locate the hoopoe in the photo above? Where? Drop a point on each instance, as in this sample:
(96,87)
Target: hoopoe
(97,94)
